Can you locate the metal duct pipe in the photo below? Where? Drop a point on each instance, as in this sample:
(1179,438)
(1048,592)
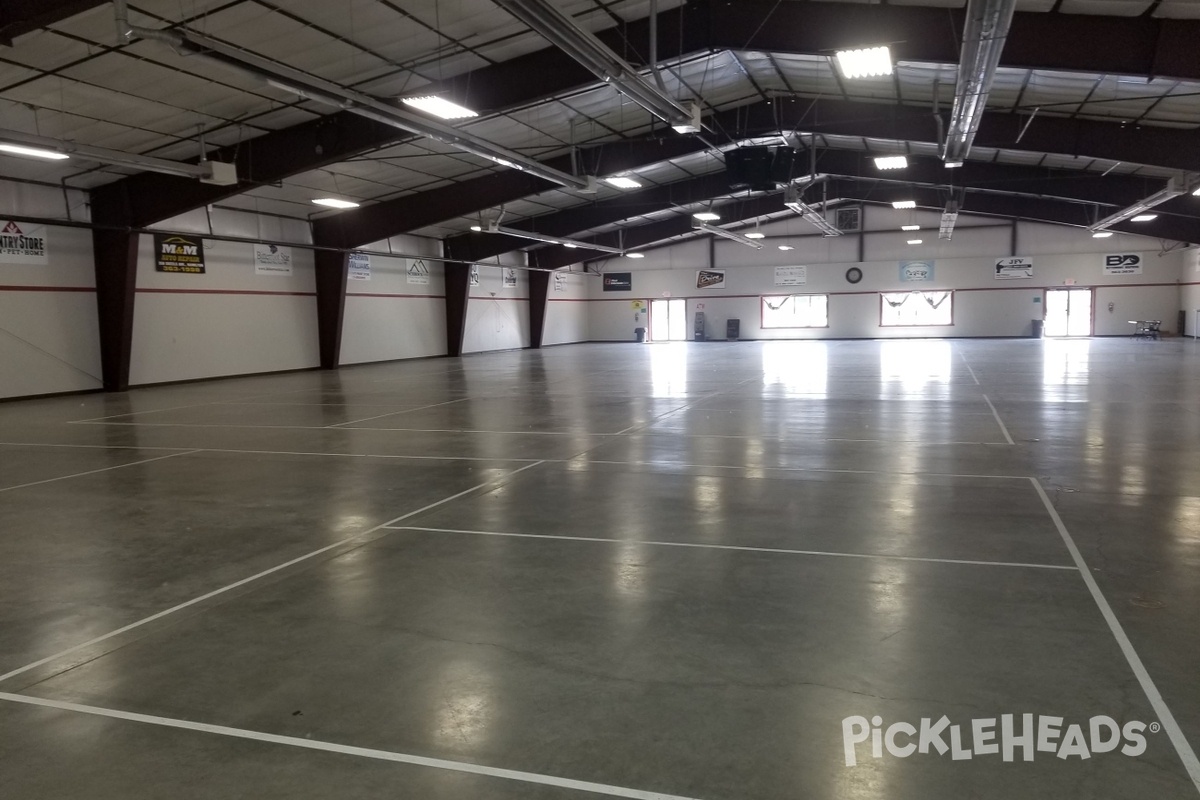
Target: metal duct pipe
(987,27)
(658,79)
(311,87)
(562,32)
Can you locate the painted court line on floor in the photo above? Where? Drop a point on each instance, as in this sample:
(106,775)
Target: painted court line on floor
(497,460)
(1165,717)
(1000,422)
(739,548)
(236,584)
(184,452)
(800,469)
(348,750)
(394,413)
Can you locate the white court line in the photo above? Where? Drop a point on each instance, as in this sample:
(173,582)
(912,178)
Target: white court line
(1000,422)
(97,471)
(686,406)
(348,750)
(795,469)
(280,452)
(257,576)
(740,548)
(393,413)
(967,364)
(236,427)
(1165,717)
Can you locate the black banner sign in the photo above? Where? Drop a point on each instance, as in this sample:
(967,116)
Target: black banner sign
(618,281)
(178,253)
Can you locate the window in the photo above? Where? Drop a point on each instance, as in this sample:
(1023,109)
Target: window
(916,308)
(796,311)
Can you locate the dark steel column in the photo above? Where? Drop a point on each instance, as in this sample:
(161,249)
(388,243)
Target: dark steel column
(539,290)
(458,290)
(332,269)
(116,285)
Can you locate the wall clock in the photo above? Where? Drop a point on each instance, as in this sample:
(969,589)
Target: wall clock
(854,275)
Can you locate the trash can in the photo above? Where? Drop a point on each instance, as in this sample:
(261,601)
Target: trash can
(733,329)
(640,333)
(1039,328)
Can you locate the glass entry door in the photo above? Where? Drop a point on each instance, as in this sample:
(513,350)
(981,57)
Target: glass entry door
(1068,312)
(668,320)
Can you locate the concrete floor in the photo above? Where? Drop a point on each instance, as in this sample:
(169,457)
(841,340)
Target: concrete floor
(662,571)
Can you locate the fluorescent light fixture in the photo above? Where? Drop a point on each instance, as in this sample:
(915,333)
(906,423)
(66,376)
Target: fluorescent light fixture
(891,162)
(439,107)
(1138,211)
(786,247)
(1144,217)
(707,216)
(1101,234)
(953,164)
(635,255)
(916,241)
(735,237)
(791,199)
(622,182)
(33,152)
(477,228)
(949,219)
(333,202)
(868,62)
(571,246)
(756,235)
(495,227)
(903,204)
(1196,193)
(910,227)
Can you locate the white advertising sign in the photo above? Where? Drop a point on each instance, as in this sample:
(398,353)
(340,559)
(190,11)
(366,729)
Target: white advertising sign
(418,272)
(510,279)
(1013,268)
(1123,264)
(272,260)
(710,279)
(474,275)
(360,267)
(21,243)
(916,271)
(791,276)
(560,282)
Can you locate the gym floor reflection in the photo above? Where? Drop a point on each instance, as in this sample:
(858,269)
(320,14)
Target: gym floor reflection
(711,571)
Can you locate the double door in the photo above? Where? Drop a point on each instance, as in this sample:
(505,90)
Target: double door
(668,320)
(1068,312)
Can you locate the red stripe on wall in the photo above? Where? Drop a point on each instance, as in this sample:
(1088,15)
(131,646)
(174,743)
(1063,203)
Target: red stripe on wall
(47,289)
(227,292)
(419,296)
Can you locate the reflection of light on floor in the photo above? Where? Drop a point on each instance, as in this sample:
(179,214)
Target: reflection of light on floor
(1065,362)
(668,369)
(916,364)
(795,367)
(467,708)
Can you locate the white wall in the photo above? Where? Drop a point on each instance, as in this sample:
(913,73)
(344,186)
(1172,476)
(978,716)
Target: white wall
(228,321)
(567,310)
(498,317)
(983,306)
(49,334)
(393,315)
(1189,295)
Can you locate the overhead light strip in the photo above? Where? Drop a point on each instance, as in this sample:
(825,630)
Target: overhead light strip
(734,237)
(1174,188)
(791,199)
(493,227)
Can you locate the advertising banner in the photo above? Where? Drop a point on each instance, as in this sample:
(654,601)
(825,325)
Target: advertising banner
(417,273)
(270,259)
(710,279)
(916,271)
(360,267)
(1123,264)
(23,243)
(618,281)
(791,276)
(1013,268)
(183,254)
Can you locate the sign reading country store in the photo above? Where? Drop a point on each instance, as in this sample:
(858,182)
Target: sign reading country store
(22,243)
(173,253)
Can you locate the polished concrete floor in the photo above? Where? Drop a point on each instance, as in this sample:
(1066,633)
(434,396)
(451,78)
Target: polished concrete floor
(712,571)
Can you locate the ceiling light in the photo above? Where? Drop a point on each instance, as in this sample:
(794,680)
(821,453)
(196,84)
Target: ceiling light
(570,246)
(891,162)
(635,255)
(736,237)
(866,63)
(949,219)
(707,216)
(496,227)
(1174,188)
(791,199)
(33,152)
(1196,193)
(1144,217)
(1101,234)
(622,182)
(333,202)
(910,227)
(786,247)
(915,241)
(953,164)
(903,204)
(756,235)
(477,228)
(439,107)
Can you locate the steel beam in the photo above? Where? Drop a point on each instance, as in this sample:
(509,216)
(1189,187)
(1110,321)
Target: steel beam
(332,271)
(458,294)
(539,289)
(116,254)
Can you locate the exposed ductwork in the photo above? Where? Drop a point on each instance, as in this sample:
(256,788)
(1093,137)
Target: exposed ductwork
(303,84)
(562,32)
(987,27)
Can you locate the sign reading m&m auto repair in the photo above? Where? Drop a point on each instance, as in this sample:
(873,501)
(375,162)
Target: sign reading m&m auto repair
(21,243)
(174,253)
